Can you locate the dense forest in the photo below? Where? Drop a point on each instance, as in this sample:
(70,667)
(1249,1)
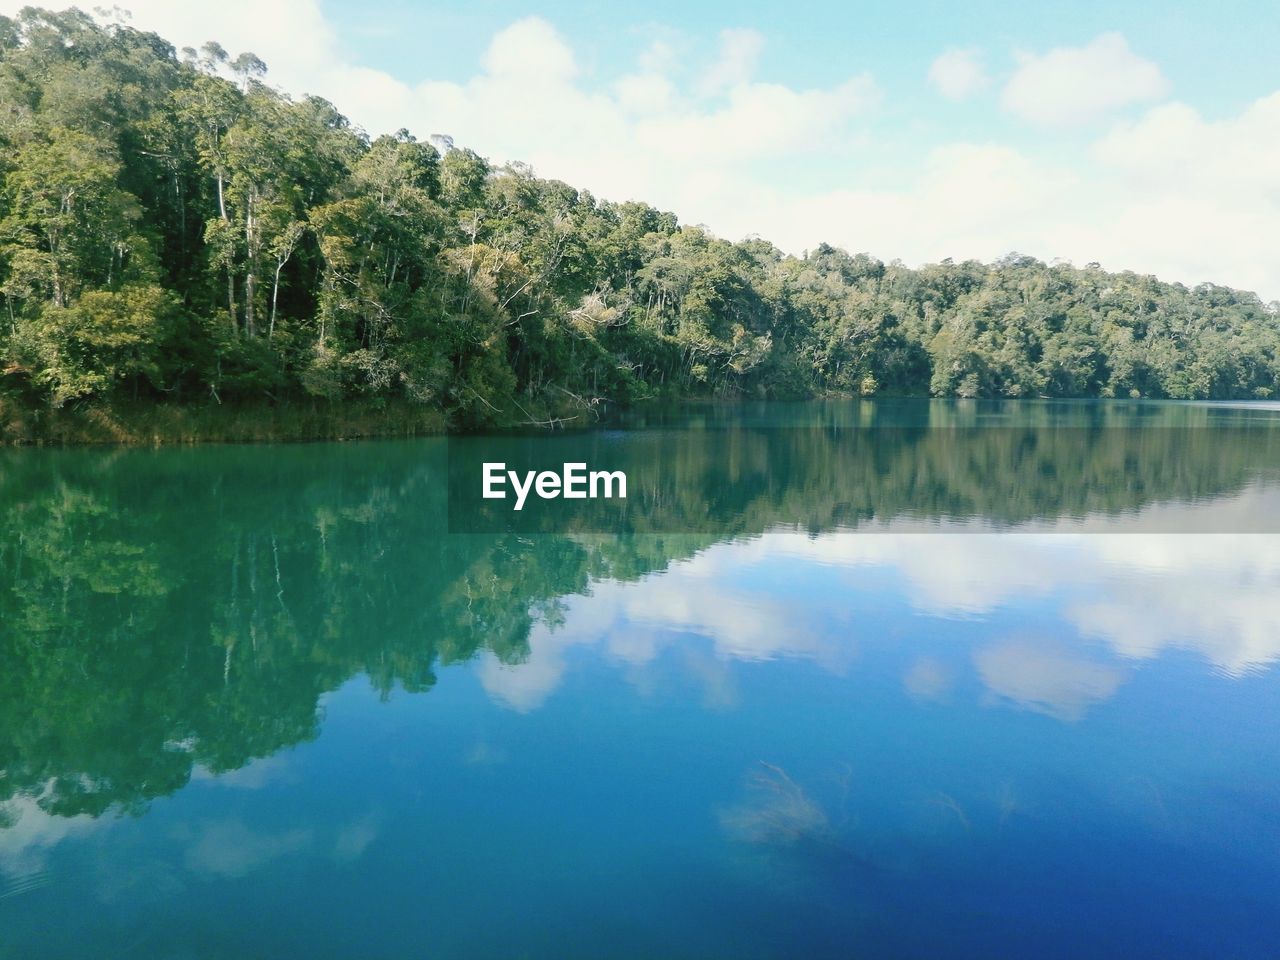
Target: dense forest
(177,235)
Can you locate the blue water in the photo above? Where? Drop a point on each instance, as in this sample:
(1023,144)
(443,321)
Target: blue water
(769,744)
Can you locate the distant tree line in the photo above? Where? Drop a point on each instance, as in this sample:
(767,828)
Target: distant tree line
(174,231)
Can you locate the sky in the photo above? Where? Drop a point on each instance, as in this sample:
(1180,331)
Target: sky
(1140,137)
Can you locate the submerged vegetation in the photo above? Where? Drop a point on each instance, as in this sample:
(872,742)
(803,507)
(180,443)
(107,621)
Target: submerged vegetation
(176,233)
(778,812)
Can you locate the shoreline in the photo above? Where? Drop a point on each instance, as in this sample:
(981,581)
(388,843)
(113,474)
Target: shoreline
(164,425)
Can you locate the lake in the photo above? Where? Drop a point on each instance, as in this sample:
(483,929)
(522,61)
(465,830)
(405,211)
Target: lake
(838,679)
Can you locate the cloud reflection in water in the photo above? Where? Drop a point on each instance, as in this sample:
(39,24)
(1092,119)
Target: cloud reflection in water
(1127,597)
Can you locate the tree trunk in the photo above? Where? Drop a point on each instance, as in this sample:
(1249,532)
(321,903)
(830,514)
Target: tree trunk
(251,251)
(275,293)
(231,300)
(250,282)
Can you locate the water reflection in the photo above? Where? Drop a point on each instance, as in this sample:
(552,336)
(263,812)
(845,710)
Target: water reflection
(851,715)
(1041,676)
(184,611)
(785,594)
(1215,595)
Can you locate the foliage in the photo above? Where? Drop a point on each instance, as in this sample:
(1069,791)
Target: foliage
(173,230)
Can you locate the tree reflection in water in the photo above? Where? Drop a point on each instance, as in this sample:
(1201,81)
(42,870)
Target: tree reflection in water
(170,610)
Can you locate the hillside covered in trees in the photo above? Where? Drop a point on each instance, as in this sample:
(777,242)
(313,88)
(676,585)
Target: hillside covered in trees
(176,234)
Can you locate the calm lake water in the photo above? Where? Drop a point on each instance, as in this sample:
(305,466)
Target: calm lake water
(841,680)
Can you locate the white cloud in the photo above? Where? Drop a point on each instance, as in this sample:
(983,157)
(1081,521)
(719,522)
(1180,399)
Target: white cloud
(1071,86)
(1172,194)
(228,848)
(1177,149)
(530,51)
(739,51)
(1129,596)
(1045,679)
(525,686)
(1219,597)
(29,836)
(254,775)
(928,679)
(646,137)
(634,622)
(1215,595)
(298,44)
(958,74)
(660,57)
(645,93)
(354,838)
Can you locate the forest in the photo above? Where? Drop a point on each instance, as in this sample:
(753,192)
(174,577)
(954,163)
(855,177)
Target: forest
(178,237)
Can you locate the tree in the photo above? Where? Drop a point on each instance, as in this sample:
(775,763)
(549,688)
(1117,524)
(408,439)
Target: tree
(69,225)
(105,341)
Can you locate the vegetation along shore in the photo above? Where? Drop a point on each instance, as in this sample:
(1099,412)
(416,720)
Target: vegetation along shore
(188,254)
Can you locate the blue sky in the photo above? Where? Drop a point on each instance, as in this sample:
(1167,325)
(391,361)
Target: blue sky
(1218,54)
(1143,137)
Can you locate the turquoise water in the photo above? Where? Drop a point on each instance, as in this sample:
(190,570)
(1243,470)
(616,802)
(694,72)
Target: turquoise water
(257,702)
